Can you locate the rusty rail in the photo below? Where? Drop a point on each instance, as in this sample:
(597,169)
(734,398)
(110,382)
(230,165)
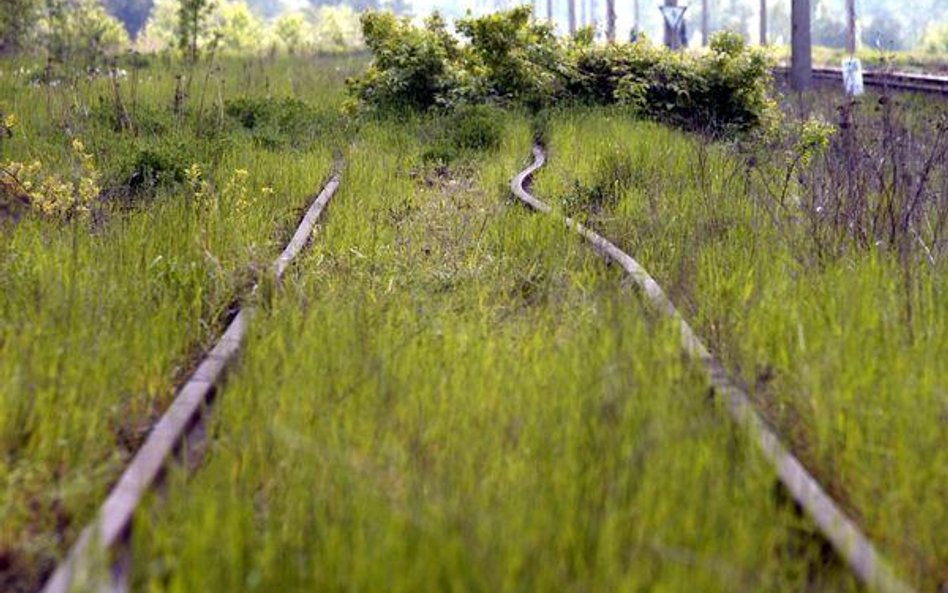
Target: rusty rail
(180,431)
(840,531)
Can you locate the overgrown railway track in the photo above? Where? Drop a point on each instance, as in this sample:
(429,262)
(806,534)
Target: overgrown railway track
(881,80)
(180,432)
(835,526)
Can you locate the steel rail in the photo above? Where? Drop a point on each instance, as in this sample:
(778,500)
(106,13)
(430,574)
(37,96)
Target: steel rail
(180,431)
(841,532)
(898,81)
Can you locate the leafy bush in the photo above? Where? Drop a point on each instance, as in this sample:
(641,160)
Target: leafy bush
(470,129)
(936,39)
(511,60)
(414,67)
(476,127)
(283,122)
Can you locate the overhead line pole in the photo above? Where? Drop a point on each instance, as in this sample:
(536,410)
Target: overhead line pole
(611,20)
(763,22)
(705,21)
(801,56)
(851,27)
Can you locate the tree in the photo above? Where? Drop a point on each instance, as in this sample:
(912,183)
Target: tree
(79,31)
(936,39)
(17,19)
(238,28)
(192,21)
(885,31)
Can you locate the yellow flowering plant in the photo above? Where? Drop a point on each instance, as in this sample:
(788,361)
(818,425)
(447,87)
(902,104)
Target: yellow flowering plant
(49,193)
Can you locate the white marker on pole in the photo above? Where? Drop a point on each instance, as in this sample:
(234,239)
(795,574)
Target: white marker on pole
(852,77)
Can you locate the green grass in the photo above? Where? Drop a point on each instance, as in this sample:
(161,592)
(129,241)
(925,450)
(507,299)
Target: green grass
(100,320)
(843,353)
(455,394)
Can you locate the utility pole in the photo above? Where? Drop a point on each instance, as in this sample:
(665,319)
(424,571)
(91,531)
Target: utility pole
(705,20)
(763,22)
(549,11)
(572,17)
(610,20)
(801,56)
(670,35)
(851,27)
(637,23)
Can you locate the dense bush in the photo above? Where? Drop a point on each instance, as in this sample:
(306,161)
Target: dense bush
(282,122)
(508,59)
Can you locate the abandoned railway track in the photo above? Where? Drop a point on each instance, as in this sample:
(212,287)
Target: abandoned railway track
(180,432)
(852,546)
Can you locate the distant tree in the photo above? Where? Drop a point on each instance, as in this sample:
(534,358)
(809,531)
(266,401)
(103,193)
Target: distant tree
(884,31)
(160,31)
(192,22)
(17,20)
(79,31)
(936,39)
(336,28)
(829,32)
(293,31)
(132,13)
(239,29)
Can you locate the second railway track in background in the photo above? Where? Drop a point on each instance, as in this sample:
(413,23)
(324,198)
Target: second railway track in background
(880,80)
(839,530)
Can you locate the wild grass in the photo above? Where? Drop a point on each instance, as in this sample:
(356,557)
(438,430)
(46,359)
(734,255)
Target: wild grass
(842,351)
(101,318)
(455,394)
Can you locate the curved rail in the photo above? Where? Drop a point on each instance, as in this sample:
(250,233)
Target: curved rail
(851,545)
(179,431)
(897,81)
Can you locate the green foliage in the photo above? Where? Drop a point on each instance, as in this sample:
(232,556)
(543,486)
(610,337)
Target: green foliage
(512,58)
(470,129)
(936,39)
(192,21)
(815,136)
(508,59)
(17,19)
(238,28)
(281,123)
(79,31)
(414,67)
(156,165)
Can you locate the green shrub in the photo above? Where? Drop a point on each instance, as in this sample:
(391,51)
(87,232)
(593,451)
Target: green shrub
(511,60)
(476,127)
(280,123)
(470,129)
(413,67)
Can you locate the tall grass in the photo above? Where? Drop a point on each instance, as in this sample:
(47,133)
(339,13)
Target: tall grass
(100,320)
(843,353)
(456,395)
